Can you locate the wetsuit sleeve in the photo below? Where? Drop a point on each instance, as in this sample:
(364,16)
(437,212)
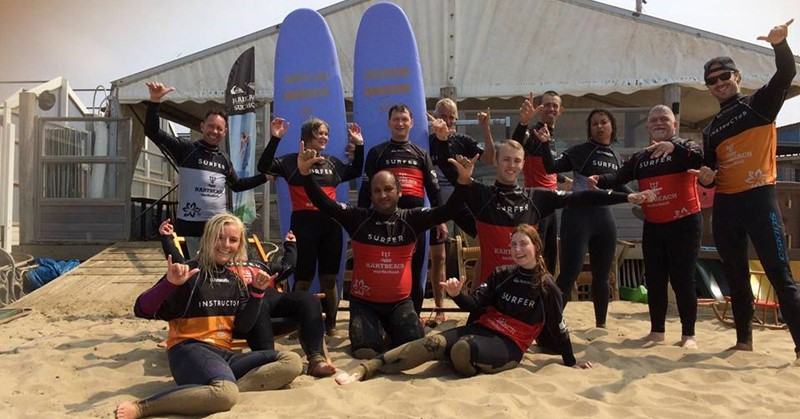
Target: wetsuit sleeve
(353,169)
(267,158)
(554,322)
(251,307)
(560,199)
(289,257)
(149,302)
(689,152)
(558,164)
(622,176)
(709,155)
(176,148)
(422,219)
(238,184)
(168,246)
(768,100)
(369,172)
(442,154)
(479,298)
(431,183)
(521,134)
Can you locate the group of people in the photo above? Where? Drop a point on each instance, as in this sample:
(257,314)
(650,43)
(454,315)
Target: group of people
(217,294)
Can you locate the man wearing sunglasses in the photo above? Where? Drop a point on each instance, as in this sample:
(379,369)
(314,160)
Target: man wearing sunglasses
(740,146)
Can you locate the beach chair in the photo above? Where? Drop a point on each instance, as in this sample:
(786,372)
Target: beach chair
(765,300)
(467,255)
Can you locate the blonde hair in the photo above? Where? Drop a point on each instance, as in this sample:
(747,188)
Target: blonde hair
(211,232)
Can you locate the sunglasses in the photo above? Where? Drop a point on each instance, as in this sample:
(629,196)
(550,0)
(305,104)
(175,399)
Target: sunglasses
(724,76)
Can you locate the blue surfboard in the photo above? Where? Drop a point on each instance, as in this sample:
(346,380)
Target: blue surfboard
(387,71)
(308,83)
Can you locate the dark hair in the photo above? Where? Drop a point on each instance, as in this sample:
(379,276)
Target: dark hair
(310,126)
(400,107)
(219,112)
(610,117)
(550,93)
(541,275)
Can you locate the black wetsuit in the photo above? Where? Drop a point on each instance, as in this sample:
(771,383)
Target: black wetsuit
(205,174)
(518,312)
(500,208)
(672,227)
(413,168)
(589,227)
(741,143)
(382,279)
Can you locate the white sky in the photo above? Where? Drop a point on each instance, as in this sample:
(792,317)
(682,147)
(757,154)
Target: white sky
(92,42)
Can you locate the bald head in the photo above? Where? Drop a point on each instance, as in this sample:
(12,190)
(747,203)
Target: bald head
(385,192)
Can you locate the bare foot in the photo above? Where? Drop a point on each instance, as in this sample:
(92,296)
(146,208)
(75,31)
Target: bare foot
(688,342)
(741,347)
(331,332)
(440,317)
(346,378)
(127,410)
(321,369)
(653,337)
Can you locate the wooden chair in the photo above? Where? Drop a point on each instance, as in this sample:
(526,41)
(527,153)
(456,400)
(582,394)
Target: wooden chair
(467,257)
(265,254)
(583,285)
(765,300)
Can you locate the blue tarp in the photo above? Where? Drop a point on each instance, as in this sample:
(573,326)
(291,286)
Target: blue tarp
(49,269)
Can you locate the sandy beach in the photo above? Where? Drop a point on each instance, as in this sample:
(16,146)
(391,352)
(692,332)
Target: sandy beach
(60,365)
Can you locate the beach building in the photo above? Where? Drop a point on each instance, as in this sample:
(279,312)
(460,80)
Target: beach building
(483,54)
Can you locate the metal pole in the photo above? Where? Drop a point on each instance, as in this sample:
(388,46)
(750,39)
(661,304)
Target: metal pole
(7,177)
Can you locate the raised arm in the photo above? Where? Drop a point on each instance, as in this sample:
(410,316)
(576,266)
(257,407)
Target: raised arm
(277,128)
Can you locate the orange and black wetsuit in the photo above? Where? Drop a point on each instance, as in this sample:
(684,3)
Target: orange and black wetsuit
(741,143)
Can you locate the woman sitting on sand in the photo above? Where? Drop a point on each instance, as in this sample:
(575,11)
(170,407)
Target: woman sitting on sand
(301,307)
(519,300)
(204,302)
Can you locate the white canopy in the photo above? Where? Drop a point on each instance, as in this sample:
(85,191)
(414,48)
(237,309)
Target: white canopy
(498,49)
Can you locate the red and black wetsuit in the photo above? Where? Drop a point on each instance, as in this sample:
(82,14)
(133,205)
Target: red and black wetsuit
(741,142)
(205,173)
(382,279)
(456,144)
(515,312)
(672,227)
(413,168)
(319,238)
(589,227)
(500,208)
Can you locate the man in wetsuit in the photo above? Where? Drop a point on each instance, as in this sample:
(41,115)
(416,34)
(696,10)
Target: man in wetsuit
(205,172)
(383,239)
(412,166)
(534,173)
(456,144)
(672,224)
(740,146)
(499,208)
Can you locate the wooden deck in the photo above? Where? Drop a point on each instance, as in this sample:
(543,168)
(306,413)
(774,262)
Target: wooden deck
(106,285)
